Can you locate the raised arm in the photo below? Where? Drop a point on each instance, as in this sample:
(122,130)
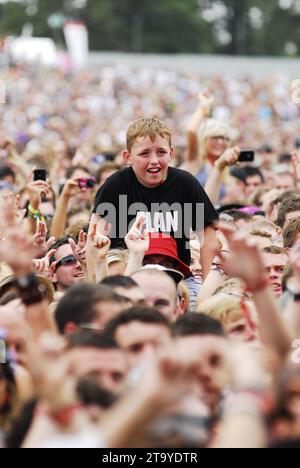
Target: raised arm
(35,190)
(137,241)
(209,245)
(60,216)
(245,262)
(214,182)
(17,249)
(243,424)
(194,159)
(292,310)
(98,246)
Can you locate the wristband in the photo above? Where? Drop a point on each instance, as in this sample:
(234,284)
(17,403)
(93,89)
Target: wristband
(29,289)
(35,214)
(32,210)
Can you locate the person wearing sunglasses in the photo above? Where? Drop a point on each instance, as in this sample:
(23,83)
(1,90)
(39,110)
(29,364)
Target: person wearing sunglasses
(68,269)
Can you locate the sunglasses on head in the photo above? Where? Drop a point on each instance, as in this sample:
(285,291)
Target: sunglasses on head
(70,260)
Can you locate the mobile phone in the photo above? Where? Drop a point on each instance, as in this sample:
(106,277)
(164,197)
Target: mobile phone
(247,156)
(40,174)
(87,183)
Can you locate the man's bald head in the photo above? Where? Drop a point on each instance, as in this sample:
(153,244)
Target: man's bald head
(160,291)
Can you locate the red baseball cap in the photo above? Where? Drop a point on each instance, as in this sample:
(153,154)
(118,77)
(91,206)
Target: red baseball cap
(164,244)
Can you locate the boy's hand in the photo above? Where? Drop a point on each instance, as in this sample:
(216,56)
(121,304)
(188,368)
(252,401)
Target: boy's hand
(98,245)
(137,240)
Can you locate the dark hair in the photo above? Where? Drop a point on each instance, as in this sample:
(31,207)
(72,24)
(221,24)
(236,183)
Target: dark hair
(58,243)
(250,171)
(291,232)
(7,375)
(119,282)
(285,195)
(238,173)
(8,297)
(287,206)
(6,171)
(238,215)
(285,158)
(91,339)
(265,148)
(197,324)
(78,304)
(73,169)
(21,425)
(275,250)
(107,166)
(138,314)
(91,394)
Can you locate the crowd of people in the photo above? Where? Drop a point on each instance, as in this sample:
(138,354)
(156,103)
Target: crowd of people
(149,278)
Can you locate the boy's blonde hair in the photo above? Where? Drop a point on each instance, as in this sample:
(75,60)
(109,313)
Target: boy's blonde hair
(147,127)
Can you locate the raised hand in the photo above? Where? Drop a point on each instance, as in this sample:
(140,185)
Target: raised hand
(229,158)
(43,267)
(36,189)
(19,213)
(13,203)
(70,189)
(206,102)
(79,249)
(98,244)
(245,260)
(16,247)
(81,246)
(137,239)
(39,239)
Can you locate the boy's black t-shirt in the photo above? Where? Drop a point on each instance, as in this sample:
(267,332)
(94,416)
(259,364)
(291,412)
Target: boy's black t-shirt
(175,207)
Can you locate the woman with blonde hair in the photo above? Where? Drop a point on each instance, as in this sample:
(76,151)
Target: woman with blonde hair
(208,139)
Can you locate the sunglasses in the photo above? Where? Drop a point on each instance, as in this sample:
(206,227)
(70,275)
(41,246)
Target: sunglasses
(70,260)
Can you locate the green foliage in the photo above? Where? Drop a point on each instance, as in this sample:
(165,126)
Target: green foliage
(170,26)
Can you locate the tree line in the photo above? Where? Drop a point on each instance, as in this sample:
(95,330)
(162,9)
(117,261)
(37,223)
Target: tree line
(237,27)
